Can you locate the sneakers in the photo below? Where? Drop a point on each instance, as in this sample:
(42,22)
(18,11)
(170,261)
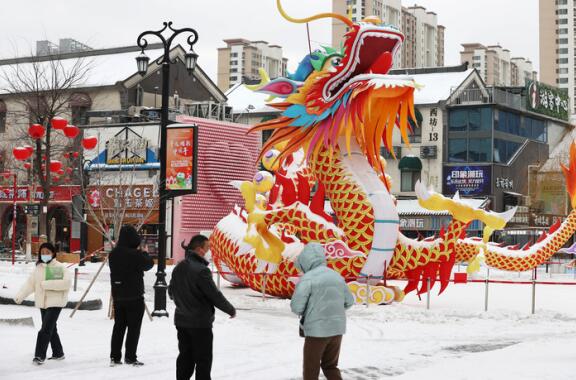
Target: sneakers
(38,361)
(135,363)
(57,357)
(114,363)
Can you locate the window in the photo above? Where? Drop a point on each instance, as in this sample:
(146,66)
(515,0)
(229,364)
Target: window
(562,40)
(563,70)
(234,70)
(480,150)
(457,150)
(562,51)
(561,2)
(562,80)
(79,104)
(562,60)
(233,63)
(561,11)
(562,21)
(2,116)
(504,150)
(408,180)
(233,78)
(562,31)
(234,55)
(458,120)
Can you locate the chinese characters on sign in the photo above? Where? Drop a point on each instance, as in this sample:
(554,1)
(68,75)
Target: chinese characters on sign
(545,220)
(504,183)
(547,100)
(433,135)
(135,197)
(181,158)
(57,193)
(468,180)
(412,223)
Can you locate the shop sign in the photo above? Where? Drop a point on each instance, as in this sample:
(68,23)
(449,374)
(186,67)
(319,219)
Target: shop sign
(413,223)
(126,148)
(547,100)
(57,194)
(545,220)
(32,209)
(504,183)
(468,180)
(181,159)
(128,197)
(521,216)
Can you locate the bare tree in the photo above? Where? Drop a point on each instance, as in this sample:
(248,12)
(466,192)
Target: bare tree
(43,87)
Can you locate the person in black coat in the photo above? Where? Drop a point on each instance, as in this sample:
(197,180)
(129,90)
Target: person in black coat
(195,295)
(127,266)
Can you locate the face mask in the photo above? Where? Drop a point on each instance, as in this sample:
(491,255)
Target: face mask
(208,256)
(45,258)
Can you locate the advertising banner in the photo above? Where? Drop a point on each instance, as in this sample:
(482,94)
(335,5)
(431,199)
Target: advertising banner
(468,180)
(547,100)
(57,193)
(181,158)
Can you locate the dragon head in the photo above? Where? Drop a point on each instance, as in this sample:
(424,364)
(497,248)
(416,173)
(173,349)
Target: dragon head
(343,92)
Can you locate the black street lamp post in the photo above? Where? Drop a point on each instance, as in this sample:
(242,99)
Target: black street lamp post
(142,60)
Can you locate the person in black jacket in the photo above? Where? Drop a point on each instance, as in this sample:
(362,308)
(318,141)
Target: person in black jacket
(195,295)
(127,266)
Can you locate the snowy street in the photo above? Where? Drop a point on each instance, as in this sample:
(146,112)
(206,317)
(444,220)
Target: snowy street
(456,339)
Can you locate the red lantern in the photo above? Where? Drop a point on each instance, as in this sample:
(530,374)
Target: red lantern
(59,123)
(75,154)
(55,166)
(66,155)
(36,131)
(60,172)
(89,142)
(27,165)
(71,131)
(21,153)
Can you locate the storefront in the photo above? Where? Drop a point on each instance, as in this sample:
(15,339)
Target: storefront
(116,205)
(64,232)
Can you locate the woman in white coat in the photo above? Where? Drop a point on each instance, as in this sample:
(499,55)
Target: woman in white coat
(50,283)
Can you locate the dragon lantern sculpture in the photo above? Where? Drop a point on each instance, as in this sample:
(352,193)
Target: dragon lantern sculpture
(338,109)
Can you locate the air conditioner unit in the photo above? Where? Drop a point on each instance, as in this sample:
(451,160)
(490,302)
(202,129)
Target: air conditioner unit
(387,155)
(428,151)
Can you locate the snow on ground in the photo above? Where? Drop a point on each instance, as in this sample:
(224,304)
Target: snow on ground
(455,339)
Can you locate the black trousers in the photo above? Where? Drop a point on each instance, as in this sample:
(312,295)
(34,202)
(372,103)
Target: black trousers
(195,347)
(48,334)
(127,315)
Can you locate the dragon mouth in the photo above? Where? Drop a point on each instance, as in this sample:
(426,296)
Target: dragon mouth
(371,58)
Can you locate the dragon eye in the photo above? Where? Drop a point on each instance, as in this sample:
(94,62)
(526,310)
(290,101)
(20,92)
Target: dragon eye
(336,61)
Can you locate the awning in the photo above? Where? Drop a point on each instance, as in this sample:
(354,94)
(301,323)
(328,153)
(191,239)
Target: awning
(410,163)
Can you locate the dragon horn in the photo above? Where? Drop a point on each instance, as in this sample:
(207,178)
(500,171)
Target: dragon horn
(421,191)
(456,196)
(344,19)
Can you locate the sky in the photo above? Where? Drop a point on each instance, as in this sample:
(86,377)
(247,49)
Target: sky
(107,23)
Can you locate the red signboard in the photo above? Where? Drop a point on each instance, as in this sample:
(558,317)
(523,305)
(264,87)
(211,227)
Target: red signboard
(181,154)
(57,194)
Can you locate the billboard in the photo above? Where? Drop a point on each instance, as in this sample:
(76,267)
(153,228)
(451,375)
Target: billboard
(547,100)
(181,158)
(468,180)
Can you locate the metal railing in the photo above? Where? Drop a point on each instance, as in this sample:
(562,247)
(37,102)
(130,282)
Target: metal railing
(489,95)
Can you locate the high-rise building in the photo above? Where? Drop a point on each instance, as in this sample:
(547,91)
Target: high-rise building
(240,60)
(66,45)
(495,65)
(557,45)
(424,38)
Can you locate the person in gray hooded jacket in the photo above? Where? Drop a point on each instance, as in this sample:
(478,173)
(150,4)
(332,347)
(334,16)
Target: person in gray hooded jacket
(320,299)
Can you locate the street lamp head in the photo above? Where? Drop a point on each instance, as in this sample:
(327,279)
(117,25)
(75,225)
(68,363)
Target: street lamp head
(190,60)
(142,63)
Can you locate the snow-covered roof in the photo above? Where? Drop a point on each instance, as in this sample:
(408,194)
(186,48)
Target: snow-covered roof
(105,69)
(411,206)
(437,86)
(244,100)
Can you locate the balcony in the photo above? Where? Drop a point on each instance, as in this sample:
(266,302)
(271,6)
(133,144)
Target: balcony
(489,95)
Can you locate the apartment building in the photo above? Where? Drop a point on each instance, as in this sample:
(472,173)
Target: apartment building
(424,38)
(495,65)
(240,60)
(557,45)
(64,46)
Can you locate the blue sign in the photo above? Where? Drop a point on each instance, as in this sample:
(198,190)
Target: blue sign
(468,180)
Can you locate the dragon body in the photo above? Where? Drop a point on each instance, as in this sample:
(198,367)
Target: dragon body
(338,109)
